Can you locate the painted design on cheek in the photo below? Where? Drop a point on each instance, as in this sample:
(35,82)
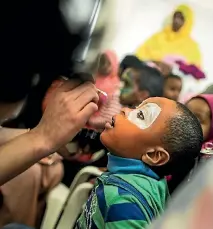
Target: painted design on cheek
(144,116)
(128,83)
(140,115)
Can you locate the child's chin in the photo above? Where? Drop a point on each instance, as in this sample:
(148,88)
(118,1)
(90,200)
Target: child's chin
(105,139)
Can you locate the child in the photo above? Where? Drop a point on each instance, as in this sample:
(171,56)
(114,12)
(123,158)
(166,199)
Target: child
(202,107)
(139,84)
(145,144)
(172,87)
(130,61)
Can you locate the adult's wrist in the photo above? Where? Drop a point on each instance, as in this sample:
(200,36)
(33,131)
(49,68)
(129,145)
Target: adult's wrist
(40,143)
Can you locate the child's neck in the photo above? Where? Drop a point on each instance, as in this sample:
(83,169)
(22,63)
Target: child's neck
(129,166)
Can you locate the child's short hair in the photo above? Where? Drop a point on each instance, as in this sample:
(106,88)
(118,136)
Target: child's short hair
(130,61)
(171,76)
(151,80)
(183,140)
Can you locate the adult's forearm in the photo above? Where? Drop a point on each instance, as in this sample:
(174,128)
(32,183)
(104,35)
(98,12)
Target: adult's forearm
(20,153)
(7,134)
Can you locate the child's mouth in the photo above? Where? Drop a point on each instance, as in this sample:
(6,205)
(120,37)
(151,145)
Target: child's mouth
(113,122)
(110,125)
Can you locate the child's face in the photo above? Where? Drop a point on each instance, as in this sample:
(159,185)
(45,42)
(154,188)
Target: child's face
(178,21)
(129,92)
(104,67)
(200,108)
(134,133)
(172,88)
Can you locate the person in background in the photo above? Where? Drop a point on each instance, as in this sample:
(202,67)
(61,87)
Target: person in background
(139,84)
(146,144)
(107,80)
(202,107)
(129,61)
(172,87)
(174,39)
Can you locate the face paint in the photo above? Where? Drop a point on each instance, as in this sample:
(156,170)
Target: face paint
(127,78)
(144,116)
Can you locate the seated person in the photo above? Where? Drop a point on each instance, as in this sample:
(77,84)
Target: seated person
(202,107)
(172,87)
(129,61)
(139,84)
(156,139)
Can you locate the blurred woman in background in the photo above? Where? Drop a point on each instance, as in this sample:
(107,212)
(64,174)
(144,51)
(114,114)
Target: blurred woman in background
(173,41)
(107,80)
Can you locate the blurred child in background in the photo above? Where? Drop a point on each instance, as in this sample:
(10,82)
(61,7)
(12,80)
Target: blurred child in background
(202,107)
(172,87)
(140,83)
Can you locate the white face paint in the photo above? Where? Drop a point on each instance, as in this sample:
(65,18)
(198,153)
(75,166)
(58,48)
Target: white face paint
(144,116)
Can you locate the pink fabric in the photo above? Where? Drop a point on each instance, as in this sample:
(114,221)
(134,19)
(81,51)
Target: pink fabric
(171,60)
(153,65)
(191,69)
(168,178)
(209,99)
(184,99)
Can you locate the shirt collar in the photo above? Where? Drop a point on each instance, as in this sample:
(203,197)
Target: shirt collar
(129,166)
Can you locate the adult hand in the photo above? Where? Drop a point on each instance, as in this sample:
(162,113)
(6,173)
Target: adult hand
(67,112)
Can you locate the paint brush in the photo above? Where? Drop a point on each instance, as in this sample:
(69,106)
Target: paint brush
(102,92)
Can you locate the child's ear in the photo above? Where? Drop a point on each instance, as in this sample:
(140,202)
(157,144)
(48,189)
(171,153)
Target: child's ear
(156,157)
(142,95)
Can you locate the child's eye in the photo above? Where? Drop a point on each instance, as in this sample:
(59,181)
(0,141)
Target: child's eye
(140,115)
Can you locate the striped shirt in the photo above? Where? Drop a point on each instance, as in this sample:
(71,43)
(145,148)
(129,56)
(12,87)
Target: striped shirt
(112,205)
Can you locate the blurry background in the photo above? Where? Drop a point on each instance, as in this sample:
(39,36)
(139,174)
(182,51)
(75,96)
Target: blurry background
(133,21)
